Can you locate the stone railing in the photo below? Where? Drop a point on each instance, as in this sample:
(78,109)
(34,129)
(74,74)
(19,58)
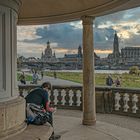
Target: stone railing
(122,101)
(69,97)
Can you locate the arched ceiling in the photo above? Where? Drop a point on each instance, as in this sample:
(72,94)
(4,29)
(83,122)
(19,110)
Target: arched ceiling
(54,11)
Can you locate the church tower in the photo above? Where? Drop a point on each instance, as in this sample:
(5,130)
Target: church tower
(48,51)
(116,53)
(48,56)
(116,46)
(80,51)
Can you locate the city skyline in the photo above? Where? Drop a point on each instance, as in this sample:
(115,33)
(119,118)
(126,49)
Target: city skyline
(66,37)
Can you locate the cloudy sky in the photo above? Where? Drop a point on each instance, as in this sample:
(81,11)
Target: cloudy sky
(66,37)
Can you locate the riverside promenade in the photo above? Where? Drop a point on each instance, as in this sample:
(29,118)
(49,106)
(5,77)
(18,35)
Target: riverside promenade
(68,123)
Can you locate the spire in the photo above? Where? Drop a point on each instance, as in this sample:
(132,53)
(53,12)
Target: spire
(116,52)
(48,44)
(54,54)
(79,51)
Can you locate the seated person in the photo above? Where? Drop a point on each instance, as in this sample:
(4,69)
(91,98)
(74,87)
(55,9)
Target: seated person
(22,78)
(117,82)
(109,81)
(39,96)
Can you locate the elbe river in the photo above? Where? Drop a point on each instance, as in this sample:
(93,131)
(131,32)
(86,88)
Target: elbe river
(98,71)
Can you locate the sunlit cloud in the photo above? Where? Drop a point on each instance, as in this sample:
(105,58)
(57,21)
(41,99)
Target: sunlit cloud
(103,51)
(27,32)
(28,50)
(77,24)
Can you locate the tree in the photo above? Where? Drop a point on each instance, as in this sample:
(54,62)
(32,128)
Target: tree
(134,70)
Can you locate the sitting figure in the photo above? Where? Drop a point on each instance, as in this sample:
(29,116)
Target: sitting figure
(117,82)
(22,78)
(109,81)
(39,96)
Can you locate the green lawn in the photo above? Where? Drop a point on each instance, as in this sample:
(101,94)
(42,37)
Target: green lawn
(127,80)
(27,77)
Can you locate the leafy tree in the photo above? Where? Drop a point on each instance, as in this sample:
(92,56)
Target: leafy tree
(134,70)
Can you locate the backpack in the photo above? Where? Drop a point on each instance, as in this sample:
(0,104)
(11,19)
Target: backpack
(35,114)
(109,81)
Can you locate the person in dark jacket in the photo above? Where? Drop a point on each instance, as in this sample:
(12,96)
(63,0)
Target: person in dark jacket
(109,81)
(39,96)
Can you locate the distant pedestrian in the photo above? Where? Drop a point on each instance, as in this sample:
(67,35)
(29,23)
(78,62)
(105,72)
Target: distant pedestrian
(55,76)
(35,77)
(42,74)
(117,82)
(109,81)
(22,78)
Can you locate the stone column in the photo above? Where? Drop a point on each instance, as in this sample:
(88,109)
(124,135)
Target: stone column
(12,107)
(89,108)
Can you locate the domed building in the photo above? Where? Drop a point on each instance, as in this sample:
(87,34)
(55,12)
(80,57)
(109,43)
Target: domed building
(48,56)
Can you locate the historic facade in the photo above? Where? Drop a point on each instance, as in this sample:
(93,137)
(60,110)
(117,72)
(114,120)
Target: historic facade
(130,55)
(73,61)
(76,60)
(48,56)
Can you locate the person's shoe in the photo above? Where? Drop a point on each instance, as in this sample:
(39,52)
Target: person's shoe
(55,137)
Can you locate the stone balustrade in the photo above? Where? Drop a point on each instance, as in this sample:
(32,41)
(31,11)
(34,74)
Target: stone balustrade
(123,101)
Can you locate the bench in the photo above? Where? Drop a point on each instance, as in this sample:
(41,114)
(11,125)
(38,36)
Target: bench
(34,132)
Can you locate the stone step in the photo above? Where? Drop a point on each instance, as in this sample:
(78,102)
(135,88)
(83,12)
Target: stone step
(34,132)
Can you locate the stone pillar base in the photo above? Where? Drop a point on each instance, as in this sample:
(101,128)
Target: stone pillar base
(89,122)
(12,117)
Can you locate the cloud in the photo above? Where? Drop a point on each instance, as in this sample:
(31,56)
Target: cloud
(29,50)
(66,37)
(118,17)
(27,32)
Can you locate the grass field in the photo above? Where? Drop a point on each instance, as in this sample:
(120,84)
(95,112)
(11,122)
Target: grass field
(127,80)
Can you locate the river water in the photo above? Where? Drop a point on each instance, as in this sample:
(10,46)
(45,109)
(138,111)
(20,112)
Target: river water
(98,71)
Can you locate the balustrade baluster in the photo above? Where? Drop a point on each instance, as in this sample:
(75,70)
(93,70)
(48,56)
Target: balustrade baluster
(74,99)
(59,98)
(117,101)
(63,94)
(70,99)
(125,100)
(78,94)
(134,103)
(67,98)
(55,96)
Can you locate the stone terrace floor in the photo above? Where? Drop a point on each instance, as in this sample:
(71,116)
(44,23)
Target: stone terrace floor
(68,123)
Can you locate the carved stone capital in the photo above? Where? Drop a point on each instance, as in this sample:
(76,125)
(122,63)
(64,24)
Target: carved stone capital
(13,4)
(87,20)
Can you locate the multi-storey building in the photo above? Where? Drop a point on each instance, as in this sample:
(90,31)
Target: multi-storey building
(127,56)
(130,55)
